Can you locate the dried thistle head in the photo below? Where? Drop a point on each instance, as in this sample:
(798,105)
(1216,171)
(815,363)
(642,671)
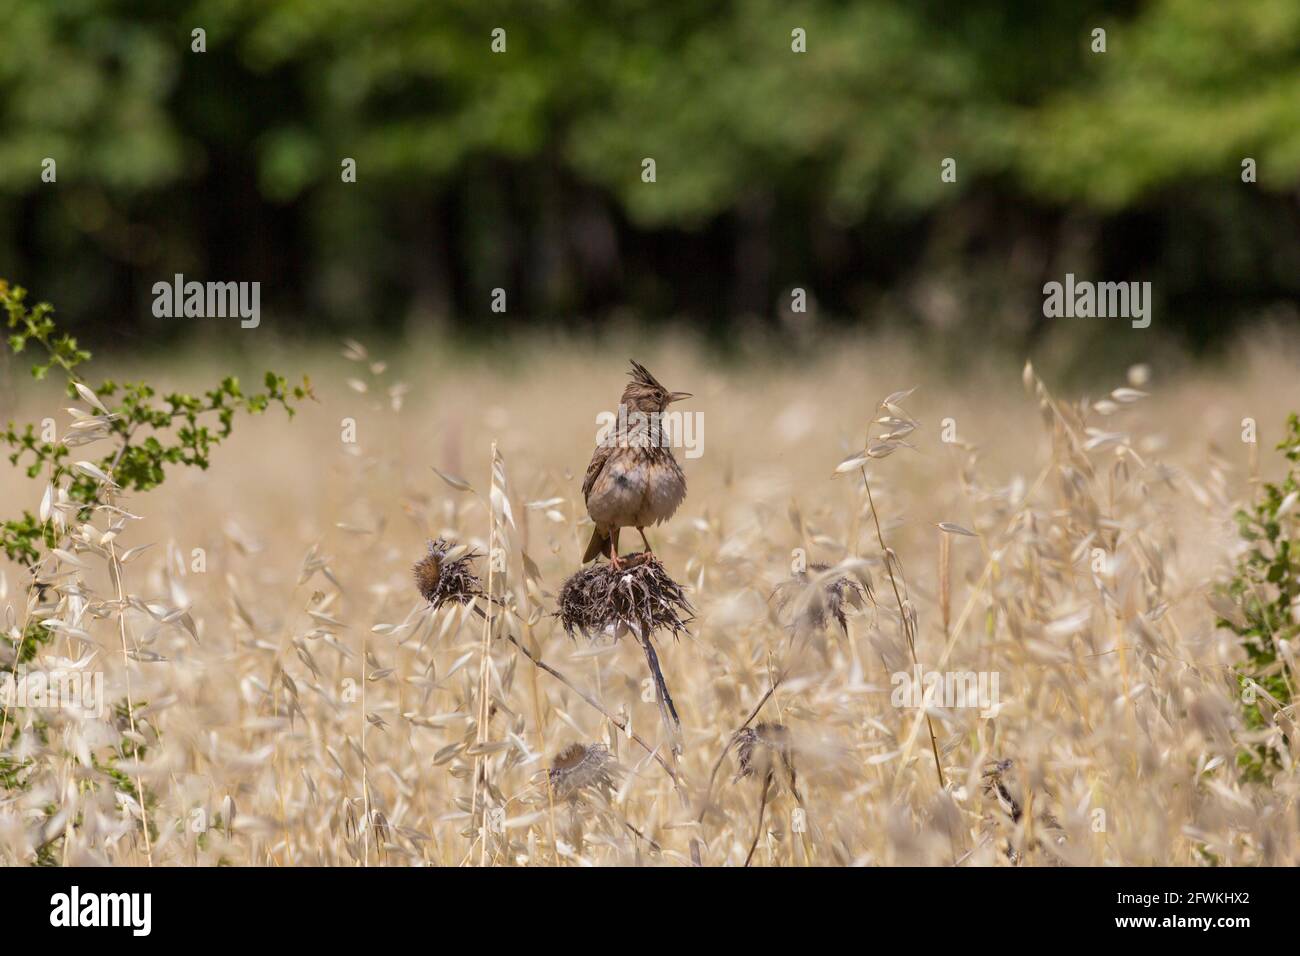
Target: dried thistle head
(643,594)
(447,574)
(759,747)
(800,602)
(577,768)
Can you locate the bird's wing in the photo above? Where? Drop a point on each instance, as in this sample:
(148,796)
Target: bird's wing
(598,459)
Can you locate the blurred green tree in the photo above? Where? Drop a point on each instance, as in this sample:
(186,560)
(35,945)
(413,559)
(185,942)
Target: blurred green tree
(522,168)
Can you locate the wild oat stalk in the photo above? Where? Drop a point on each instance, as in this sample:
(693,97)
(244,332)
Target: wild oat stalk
(898,425)
(499,515)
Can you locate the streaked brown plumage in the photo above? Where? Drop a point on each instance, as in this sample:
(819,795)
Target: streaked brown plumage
(633,480)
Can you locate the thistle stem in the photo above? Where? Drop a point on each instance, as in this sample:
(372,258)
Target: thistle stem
(616,721)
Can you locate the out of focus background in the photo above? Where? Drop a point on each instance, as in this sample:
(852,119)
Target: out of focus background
(1068,526)
(774,169)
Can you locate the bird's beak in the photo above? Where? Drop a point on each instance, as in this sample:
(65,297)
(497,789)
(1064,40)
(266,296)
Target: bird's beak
(678,396)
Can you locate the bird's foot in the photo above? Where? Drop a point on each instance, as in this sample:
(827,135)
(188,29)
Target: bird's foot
(631,560)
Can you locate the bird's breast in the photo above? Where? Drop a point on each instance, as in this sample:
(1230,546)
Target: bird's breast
(618,493)
(665,490)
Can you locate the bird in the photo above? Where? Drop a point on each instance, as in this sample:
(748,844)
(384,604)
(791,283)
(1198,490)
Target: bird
(633,480)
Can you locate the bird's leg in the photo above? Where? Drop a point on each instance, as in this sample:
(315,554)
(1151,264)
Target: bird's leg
(646,541)
(613,549)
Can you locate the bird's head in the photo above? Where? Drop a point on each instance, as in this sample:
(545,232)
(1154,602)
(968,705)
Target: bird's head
(645,394)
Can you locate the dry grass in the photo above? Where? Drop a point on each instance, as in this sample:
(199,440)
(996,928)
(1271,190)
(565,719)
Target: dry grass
(324,713)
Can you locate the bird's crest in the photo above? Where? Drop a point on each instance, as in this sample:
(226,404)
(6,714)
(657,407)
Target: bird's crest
(641,376)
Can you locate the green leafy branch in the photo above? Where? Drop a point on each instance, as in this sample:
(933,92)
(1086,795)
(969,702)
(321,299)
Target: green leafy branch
(147,432)
(1265,590)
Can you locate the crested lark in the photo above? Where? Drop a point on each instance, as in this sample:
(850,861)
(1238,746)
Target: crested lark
(633,480)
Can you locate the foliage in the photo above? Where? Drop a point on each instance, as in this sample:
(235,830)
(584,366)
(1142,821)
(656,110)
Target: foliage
(1266,590)
(146,433)
(718,91)
(482,161)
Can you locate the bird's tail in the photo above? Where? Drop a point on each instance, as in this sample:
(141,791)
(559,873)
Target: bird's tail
(598,545)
